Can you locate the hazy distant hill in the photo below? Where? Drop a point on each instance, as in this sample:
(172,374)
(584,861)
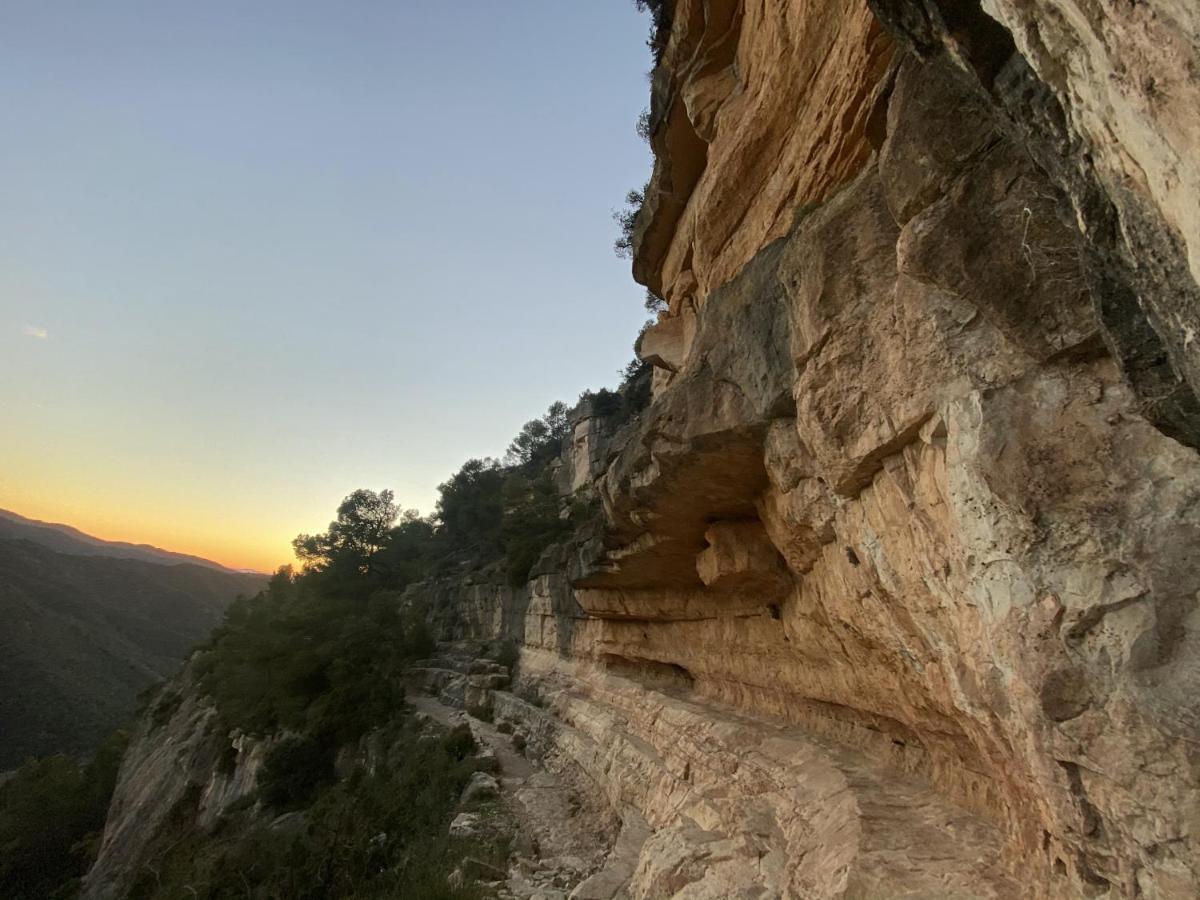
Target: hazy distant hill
(81,634)
(66,539)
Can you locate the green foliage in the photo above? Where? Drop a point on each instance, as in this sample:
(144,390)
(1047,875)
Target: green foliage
(320,657)
(606,403)
(632,396)
(307,658)
(540,440)
(660,25)
(626,220)
(637,376)
(51,812)
(371,835)
(643,125)
(507,655)
(471,505)
(321,654)
(459,743)
(412,550)
(294,770)
(531,522)
(359,532)
(635,385)
(511,511)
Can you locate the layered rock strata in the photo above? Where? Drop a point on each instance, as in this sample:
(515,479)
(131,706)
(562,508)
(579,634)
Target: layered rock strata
(918,478)
(892,589)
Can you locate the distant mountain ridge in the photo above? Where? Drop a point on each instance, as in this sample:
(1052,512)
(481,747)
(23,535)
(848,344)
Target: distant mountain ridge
(87,624)
(67,539)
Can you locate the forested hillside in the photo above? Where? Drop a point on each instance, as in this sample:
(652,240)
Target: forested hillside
(84,634)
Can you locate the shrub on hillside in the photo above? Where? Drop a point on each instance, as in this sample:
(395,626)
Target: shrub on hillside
(310,662)
(51,813)
(382,834)
(507,655)
(294,770)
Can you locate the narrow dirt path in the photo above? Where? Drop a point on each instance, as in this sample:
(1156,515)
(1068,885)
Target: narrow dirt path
(514,768)
(563,835)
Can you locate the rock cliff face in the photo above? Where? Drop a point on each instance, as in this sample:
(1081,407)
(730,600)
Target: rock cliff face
(892,589)
(896,583)
(178,766)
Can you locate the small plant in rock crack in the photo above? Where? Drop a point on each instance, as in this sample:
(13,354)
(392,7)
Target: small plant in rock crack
(626,220)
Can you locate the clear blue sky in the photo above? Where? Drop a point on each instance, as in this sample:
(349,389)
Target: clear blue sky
(254,255)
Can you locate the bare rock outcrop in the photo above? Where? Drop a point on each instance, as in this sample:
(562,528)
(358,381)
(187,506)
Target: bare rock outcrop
(903,551)
(724,102)
(180,763)
(893,588)
(1102,96)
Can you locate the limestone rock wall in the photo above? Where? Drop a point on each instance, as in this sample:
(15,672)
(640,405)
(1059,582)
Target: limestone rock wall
(178,765)
(1103,97)
(1126,76)
(893,588)
(919,476)
(727,805)
(723,113)
(473,604)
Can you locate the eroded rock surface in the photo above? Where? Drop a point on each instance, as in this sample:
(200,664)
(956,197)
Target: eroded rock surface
(724,113)
(892,590)
(179,762)
(895,587)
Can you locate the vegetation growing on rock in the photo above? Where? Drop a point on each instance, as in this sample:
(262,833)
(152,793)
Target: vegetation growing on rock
(313,669)
(660,25)
(626,220)
(378,833)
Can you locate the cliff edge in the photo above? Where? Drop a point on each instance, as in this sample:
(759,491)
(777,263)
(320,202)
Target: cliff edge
(891,589)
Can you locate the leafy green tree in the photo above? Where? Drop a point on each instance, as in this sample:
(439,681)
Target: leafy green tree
(364,521)
(531,522)
(626,220)
(556,420)
(532,436)
(654,303)
(319,659)
(413,547)
(378,833)
(470,506)
(539,440)
(294,770)
(282,582)
(643,125)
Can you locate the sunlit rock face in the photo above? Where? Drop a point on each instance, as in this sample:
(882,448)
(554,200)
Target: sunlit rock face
(759,108)
(912,518)
(892,589)
(1103,95)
